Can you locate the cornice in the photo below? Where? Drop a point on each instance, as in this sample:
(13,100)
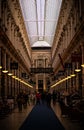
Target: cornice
(15,7)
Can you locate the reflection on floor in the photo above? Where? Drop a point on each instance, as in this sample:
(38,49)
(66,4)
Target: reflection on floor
(14,120)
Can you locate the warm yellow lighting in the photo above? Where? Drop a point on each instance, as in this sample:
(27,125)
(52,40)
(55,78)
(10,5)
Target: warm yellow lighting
(0,67)
(26,84)
(10,74)
(68,77)
(5,71)
(82,65)
(77,70)
(17,78)
(72,75)
(62,80)
(13,76)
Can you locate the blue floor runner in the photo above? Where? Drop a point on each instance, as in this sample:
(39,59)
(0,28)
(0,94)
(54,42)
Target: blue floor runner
(42,117)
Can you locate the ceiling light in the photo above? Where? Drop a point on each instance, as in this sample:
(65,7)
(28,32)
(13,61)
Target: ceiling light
(0,67)
(72,75)
(82,65)
(5,71)
(77,70)
(13,76)
(10,74)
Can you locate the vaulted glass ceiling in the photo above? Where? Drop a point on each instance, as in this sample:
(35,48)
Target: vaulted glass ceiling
(40,17)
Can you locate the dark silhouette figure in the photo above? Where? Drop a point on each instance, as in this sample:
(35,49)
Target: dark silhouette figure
(38,98)
(43,97)
(20,101)
(25,100)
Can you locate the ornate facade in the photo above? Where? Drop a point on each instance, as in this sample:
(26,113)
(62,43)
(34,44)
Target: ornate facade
(69,43)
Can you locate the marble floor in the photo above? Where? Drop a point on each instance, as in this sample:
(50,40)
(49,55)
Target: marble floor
(14,120)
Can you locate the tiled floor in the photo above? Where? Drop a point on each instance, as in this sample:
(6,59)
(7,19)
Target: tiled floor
(15,119)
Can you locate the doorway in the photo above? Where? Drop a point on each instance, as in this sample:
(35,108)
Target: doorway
(40,86)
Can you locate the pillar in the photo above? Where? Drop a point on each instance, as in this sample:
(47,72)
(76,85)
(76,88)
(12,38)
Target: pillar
(0,71)
(4,75)
(82,49)
(44,81)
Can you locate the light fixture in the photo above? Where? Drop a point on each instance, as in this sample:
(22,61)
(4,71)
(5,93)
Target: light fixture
(82,65)
(5,71)
(62,80)
(0,67)
(72,75)
(14,77)
(77,70)
(10,74)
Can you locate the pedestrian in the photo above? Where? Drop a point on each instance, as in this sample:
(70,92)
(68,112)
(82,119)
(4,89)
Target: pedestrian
(20,101)
(38,98)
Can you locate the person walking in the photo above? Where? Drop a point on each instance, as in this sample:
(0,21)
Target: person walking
(20,101)
(38,98)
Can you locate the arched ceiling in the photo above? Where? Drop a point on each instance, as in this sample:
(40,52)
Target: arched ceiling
(40,18)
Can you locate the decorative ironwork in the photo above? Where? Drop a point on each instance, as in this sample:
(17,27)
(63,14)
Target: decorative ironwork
(41,70)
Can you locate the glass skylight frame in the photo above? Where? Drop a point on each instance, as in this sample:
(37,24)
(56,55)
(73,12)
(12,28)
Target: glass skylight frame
(40,26)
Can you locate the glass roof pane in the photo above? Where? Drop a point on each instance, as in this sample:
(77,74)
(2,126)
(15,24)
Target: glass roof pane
(40,17)
(52,13)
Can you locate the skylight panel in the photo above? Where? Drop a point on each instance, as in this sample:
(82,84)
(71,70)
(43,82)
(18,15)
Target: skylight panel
(40,17)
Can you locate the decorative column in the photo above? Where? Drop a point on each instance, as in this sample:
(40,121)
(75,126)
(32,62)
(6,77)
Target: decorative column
(0,71)
(73,79)
(4,76)
(44,81)
(82,49)
(36,65)
(20,84)
(10,29)
(8,23)
(17,82)
(19,75)
(77,77)
(9,78)
(66,80)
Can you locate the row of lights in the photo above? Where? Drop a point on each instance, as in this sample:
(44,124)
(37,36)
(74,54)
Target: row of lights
(68,77)
(62,80)
(16,78)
